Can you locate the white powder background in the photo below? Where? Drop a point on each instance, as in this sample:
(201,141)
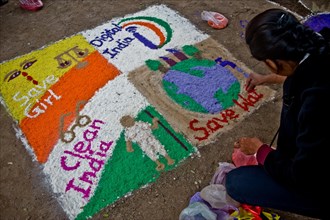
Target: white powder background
(109,104)
(136,53)
(116,99)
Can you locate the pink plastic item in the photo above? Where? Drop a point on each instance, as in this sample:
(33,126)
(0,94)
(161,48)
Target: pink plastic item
(214,19)
(31,5)
(241,159)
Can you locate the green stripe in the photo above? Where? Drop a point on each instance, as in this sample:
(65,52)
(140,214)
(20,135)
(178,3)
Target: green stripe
(126,172)
(164,24)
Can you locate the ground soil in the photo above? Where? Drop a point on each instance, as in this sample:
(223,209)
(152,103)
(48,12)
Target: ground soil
(23,192)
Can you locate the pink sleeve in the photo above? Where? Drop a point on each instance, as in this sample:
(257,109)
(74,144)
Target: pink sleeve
(262,153)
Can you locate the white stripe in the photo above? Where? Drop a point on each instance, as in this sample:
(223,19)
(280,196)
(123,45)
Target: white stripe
(108,105)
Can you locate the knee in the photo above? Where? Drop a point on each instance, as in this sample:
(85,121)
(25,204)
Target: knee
(230,182)
(234,184)
(241,181)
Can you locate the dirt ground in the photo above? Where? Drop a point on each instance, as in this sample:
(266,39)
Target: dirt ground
(23,192)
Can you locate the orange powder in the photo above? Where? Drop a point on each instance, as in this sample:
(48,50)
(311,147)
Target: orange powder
(42,132)
(152,27)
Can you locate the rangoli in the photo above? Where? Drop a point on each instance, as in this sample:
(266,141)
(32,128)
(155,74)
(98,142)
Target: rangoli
(106,111)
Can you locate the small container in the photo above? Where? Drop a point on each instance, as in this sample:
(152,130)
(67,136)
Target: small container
(214,19)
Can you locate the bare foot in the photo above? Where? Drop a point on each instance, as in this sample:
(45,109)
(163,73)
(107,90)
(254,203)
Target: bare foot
(170,161)
(160,167)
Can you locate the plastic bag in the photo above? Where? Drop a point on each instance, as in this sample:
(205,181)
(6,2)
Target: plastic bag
(219,176)
(222,214)
(248,212)
(196,198)
(243,214)
(197,211)
(241,159)
(216,196)
(214,19)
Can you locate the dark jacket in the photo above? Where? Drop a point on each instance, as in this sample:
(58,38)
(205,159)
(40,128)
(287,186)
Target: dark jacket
(301,159)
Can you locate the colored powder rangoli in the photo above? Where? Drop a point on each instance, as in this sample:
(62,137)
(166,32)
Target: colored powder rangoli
(140,91)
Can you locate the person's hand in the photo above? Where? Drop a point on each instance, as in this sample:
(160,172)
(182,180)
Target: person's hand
(247,145)
(254,80)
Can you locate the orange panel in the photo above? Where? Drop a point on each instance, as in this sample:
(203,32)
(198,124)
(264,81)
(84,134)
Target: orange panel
(42,132)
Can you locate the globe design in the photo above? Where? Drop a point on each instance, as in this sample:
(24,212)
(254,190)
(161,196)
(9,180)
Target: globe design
(201,86)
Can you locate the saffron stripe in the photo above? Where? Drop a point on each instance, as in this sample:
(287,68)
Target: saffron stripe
(74,86)
(152,27)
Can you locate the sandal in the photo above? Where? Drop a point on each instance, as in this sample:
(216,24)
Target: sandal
(31,5)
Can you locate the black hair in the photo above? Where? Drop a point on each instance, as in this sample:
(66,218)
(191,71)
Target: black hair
(278,34)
